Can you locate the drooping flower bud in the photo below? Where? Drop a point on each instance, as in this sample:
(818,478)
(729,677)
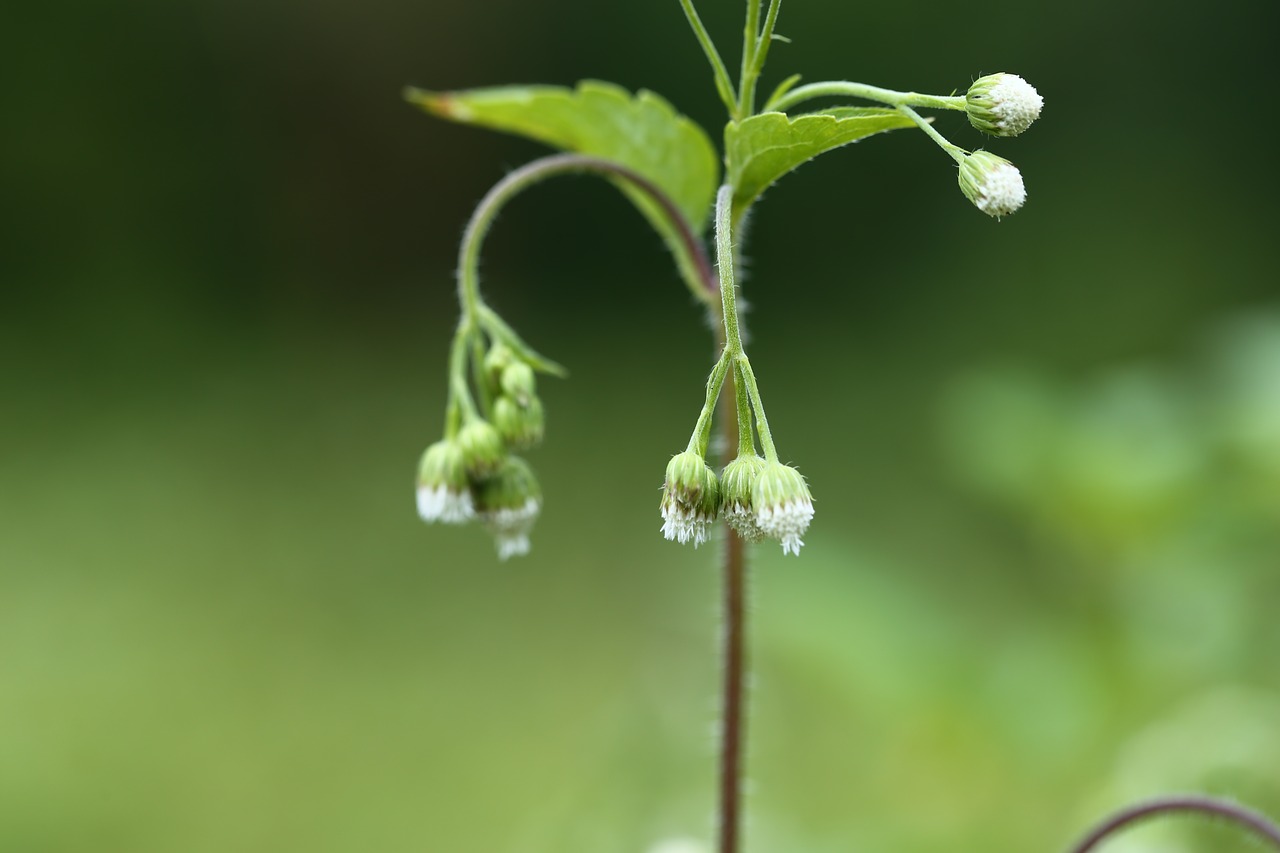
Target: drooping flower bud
(782,504)
(518,382)
(509,503)
(521,427)
(443,491)
(482,449)
(1002,104)
(496,361)
(690,499)
(736,483)
(992,183)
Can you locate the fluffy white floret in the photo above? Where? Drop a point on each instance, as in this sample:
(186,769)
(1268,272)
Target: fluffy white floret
(511,527)
(786,522)
(743,520)
(1001,191)
(1015,103)
(683,524)
(439,503)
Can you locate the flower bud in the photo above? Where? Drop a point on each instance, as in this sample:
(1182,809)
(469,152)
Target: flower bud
(509,503)
(782,504)
(496,360)
(520,426)
(992,183)
(482,448)
(690,499)
(518,382)
(443,491)
(1002,104)
(736,482)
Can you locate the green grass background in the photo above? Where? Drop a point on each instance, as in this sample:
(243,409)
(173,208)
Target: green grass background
(1044,575)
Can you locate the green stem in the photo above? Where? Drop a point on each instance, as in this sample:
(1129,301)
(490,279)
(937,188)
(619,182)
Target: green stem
(461,404)
(842,88)
(729,310)
(701,437)
(757,403)
(766,41)
(724,266)
(746,439)
(723,85)
(957,153)
(750,41)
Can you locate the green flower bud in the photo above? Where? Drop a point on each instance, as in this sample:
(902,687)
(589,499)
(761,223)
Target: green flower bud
(509,503)
(1002,104)
(443,491)
(496,361)
(992,183)
(482,448)
(518,382)
(690,499)
(521,427)
(736,483)
(782,504)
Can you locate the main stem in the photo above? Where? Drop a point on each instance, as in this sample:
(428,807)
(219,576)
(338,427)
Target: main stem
(733,722)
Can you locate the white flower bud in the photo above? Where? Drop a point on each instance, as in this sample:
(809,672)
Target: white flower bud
(736,483)
(509,504)
(443,491)
(992,183)
(690,499)
(1003,104)
(783,505)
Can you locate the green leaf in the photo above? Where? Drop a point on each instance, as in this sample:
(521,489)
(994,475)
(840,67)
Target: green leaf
(763,148)
(642,132)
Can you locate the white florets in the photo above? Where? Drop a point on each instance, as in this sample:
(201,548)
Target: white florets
(742,519)
(1015,103)
(439,503)
(683,524)
(1001,190)
(786,522)
(511,527)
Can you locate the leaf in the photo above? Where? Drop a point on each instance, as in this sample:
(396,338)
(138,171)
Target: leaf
(642,132)
(763,148)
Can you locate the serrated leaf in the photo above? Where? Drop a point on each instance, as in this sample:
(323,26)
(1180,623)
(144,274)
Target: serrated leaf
(642,132)
(763,148)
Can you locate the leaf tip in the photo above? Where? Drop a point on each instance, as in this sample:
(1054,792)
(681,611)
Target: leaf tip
(438,103)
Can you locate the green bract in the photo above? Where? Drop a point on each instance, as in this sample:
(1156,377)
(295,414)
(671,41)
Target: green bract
(482,449)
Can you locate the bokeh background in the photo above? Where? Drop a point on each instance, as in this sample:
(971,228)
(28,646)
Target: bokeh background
(1044,576)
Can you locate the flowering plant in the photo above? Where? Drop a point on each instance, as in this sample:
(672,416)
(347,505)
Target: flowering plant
(670,169)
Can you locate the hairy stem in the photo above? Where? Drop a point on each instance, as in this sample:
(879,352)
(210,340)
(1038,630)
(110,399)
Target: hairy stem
(733,650)
(846,89)
(1191,804)
(957,153)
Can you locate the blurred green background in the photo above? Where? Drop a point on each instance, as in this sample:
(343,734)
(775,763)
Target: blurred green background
(1043,579)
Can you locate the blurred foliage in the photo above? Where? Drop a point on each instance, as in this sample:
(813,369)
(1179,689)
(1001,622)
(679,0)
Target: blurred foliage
(1043,574)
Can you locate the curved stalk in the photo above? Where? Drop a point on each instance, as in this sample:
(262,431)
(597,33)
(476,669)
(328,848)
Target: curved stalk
(558,164)
(1191,804)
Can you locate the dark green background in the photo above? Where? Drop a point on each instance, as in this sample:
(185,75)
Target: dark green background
(1043,578)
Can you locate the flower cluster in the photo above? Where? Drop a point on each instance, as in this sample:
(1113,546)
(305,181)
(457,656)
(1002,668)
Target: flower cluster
(471,474)
(999,105)
(759,499)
